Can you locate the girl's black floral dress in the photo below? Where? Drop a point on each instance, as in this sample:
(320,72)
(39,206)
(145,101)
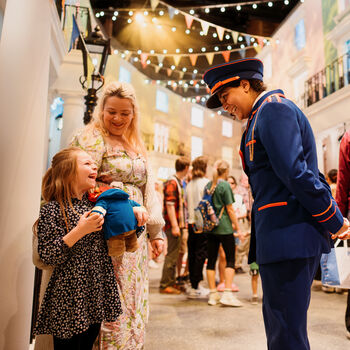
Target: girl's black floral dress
(83,289)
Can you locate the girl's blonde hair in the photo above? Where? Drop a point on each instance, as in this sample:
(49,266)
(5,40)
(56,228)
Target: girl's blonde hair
(120,90)
(58,182)
(220,167)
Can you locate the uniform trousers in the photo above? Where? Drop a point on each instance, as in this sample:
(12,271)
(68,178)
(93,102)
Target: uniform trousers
(287,290)
(197,253)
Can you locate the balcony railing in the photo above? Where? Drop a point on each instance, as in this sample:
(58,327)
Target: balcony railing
(332,78)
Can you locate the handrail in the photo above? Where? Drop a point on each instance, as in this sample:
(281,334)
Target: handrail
(332,78)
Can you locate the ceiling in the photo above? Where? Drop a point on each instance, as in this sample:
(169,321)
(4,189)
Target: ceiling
(244,27)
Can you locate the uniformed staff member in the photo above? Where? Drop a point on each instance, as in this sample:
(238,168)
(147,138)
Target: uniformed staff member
(293,211)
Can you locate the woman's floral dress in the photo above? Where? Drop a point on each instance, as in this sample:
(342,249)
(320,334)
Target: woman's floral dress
(118,169)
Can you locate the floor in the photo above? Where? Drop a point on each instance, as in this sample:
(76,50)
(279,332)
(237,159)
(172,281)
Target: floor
(178,323)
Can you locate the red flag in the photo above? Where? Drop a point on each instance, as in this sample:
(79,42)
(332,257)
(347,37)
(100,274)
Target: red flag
(143,58)
(193,58)
(226,55)
(189,20)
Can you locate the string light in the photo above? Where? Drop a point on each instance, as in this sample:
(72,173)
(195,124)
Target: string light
(115,13)
(254,6)
(203,49)
(131,13)
(146,13)
(173,29)
(177,50)
(176,12)
(148,62)
(229,47)
(207,10)
(252,39)
(172,67)
(161,13)
(191,12)
(187,31)
(201,33)
(215,35)
(160,64)
(184,69)
(102,13)
(115,52)
(135,59)
(227,36)
(238,8)
(216,48)
(242,46)
(129,20)
(222,9)
(270,4)
(97,15)
(165,51)
(240,38)
(190,50)
(159,26)
(114,18)
(286,2)
(154,20)
(195,71)
(152,52)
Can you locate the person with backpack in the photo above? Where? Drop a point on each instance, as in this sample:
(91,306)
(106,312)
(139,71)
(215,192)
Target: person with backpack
(197,242)
(223,233)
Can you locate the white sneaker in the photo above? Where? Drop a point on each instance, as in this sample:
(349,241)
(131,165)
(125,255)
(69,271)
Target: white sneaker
(228,299)
(203,291)
(192,293)
(213,298)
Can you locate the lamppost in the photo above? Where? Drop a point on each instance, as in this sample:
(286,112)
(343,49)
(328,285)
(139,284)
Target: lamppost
(94,43)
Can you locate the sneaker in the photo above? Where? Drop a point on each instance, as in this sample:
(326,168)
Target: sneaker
(169,290)
(254,300)
(228,299)
(213,298)
(192,293)
(221,287)
(327,289)
(203,291)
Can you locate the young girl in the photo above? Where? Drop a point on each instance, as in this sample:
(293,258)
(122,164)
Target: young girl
(82,291)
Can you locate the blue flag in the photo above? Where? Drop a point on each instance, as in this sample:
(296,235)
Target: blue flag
(75,33)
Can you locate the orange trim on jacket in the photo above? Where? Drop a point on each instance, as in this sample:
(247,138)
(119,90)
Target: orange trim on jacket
(335,210)
(250,142)
(324,212)
(277,204)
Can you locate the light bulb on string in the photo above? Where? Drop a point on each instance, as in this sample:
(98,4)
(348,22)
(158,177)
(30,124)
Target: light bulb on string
(227,36)
(97,15)
(187,31)
(207,10)
(154,20)
(114,18)
(172,67)
(238,8)
(136,59)
(159,26)
(184,69)
(254,6)
(202,81)
(286,2)
(139,52)
(165,51)
(146,13)
(252,39)
(160,64)
(215,35)
(203,49)
(203,99)
(222,9)
(158,82)
(131,13)
(161,13)
(177,50)
(270,4)
(152,52)
(229,47)
(173,29)
(201,33)
(185,85)
(240,38)
(242,46)
(216,48)
(102,13)
(115,52)
(129,20)
(148,61)
(177,12)
(191,82)
(190,50)
(195,71)
(115,13)
(169,82)
(191,12)
(123,55)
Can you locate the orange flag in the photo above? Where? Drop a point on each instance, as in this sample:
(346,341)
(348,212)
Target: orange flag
(143,59)
(226,55)
(193,58)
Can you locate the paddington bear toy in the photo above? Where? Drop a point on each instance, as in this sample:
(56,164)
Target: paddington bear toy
(120,224)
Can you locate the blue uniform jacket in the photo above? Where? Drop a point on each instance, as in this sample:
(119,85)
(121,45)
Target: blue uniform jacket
(116,207)
(293,209)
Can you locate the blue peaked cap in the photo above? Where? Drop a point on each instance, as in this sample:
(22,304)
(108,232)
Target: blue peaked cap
(223,74)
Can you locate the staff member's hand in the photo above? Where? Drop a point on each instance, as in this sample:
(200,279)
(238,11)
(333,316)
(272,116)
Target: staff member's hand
(344,232)
(141,215)
(157,247)
(175,231)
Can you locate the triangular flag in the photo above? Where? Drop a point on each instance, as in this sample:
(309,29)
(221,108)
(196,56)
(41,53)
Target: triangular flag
(198,98)
(189,20)
(160,58)
(235,36)
(171,12)
(226,55)
(154,4)
(207,89)
(143,59)
(242,53)
(75,34)
(261,42)
(195,82)
(221,32)
(169,71)
(247,39)
(174,86)
(127,56)
(181,75)
(205,27)
(156,68)
(185,88)
(210,57)
(176,59)
(257,48)
(193,58)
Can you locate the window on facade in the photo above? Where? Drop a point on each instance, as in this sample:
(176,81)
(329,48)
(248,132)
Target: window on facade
(196,147)
(162,101)
(197,117)
(299,35)
(161,135)
(227,128)
(227,154)
(124,75)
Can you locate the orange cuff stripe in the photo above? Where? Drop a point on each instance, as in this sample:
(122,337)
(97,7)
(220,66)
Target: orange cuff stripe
(242,159)
(250,142)
(277,204)
(220,83)
(335,209)
(324,212)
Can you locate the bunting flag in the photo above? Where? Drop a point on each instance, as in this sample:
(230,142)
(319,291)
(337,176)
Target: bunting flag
(205,27)
(169,71)
(210,57)
(208,90)
(247,39)
(75,34)
(177,59)
(242,53)
(181,74)
(185,88)
(257,48)
(226,55)
(195,82)
(171,12)
(221,32)
(189,20)
(193,58)
(198,98)
(174,86)
(261,42)
(143,59)
(235,36)
(154,4)
(160,58)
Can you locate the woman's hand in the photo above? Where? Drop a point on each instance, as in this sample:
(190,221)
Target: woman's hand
(344,232)
(90,222)
(157,247)
(141,215)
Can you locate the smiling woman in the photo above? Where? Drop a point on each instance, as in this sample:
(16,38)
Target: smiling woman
(113,140)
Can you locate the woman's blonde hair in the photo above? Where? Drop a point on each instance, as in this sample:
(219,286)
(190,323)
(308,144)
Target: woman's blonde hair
(121,90)
(220,167)
(58,182)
